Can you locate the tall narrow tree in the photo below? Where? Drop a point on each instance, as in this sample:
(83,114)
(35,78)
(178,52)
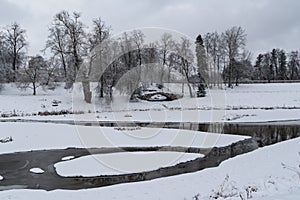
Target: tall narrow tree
(293,65)
(282,70)
(202,67)
(274,62)
(234,42)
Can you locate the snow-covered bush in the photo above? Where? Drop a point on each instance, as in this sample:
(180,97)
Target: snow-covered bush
(230,190)
(225,190)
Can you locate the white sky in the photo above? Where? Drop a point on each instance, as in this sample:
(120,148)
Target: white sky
(268,23)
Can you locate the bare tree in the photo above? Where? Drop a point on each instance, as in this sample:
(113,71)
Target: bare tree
(67,39)
(213,45)
(15,39)
(6,71)
(57,42)
(186,58)
(33,76)
(52,71)
(166,44)
(99,34)
(234,42)
(128,57)
(138,38)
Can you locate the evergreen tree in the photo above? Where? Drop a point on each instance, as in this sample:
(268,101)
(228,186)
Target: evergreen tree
(266,68)
(258,67)
(282,70)
(202,66)
(274,62)
(294,65)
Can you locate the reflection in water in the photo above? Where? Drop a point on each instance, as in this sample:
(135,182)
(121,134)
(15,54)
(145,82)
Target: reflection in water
(264,134)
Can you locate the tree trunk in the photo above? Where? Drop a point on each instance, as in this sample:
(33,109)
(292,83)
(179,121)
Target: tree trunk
(101,87)
(64,65)
(34,89)
(162,76)
(230,74)
(190,90)
(218,73)
(111,93)
(86,91)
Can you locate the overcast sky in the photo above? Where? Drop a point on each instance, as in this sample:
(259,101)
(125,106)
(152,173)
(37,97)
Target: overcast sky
(268,23)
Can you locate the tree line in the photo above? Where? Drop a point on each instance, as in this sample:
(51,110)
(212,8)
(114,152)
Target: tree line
(221,58)
(230,58)
(277,65)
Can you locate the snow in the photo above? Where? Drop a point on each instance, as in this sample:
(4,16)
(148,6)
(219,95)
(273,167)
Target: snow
(68,158)
(121,163)
(158,97)
(37,170)
(40,136)
(261,169)
(246,103)
(20,102)
(164,115)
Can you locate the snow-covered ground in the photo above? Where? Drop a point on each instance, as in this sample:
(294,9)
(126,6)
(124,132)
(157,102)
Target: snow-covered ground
(20,102)
(249,102)
(39,136)
(121,163)
(260,171)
